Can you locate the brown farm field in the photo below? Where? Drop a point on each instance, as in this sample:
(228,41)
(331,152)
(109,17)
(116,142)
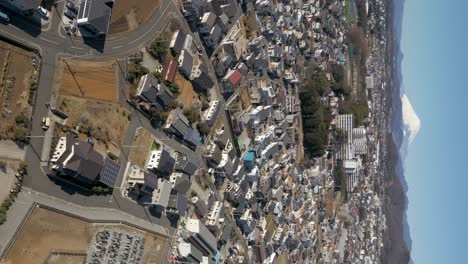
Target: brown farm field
(142,144)
(46,231)
(16,75)
(107,122)
(90,79)
(127,15)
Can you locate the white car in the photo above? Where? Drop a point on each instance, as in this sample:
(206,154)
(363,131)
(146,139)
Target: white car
(43,12)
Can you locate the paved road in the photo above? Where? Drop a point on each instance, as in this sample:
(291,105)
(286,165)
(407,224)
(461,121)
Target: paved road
(52,46)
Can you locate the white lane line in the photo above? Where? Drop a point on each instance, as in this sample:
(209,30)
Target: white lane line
(76,47)
(116,47)
(154,24)
(48,40)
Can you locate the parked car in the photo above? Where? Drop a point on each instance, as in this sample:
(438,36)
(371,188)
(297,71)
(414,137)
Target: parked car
(44,13)
(72,7)
(69,14)
(4,18)
(45,123)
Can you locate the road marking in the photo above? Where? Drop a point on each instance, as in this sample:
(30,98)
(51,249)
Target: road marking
(116,47)
(48,40)
(73,47)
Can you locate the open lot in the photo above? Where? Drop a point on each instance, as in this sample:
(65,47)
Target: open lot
(186,92)
(90,79)
(104,121)
(141,147)
(46,231)
(127,15)
(16,75)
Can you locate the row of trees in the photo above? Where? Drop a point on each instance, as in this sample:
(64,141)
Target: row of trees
(6,204)
(315,116)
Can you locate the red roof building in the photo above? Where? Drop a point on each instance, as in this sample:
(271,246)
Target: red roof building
(169,70)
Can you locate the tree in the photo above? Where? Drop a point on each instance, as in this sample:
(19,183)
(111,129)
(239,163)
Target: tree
(21,119)
(23,166)
(158,49)
(21,135)
(203,128)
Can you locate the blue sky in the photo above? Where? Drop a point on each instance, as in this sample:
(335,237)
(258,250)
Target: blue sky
(435,78)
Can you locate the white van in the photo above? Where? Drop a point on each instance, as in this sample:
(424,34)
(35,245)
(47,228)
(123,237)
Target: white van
(4,18)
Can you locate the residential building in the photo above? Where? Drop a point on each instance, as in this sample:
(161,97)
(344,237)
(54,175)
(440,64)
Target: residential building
(180,182)
(201,237)
(94,15)
(231,81)
(210,114)
(161,162)
(176,123)
(177,41)
(140,181)
(161,194)
(186,164)
(215,219)
(185,63)
(177,204)
(22,6)
(77,159)
(154,93)
(207,22)
(189,252)
(212,38)
(200,77)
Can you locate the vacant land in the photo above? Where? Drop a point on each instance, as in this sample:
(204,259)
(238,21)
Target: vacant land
(142,144)
(46,231)
(186,92)
(104,121)
(90,79)
(128,15)
(16,75)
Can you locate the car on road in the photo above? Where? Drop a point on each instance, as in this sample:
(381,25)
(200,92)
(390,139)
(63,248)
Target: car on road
(4,18)
(44,13)
(45,123)
(69,14)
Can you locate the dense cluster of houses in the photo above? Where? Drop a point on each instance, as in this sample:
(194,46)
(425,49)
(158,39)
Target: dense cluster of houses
(265,202)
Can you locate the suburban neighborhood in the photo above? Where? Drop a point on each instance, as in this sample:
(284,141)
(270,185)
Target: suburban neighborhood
(193,131)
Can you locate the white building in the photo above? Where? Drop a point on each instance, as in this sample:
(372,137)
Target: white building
(209,116)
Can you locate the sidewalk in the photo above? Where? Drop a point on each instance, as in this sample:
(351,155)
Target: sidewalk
(27,198)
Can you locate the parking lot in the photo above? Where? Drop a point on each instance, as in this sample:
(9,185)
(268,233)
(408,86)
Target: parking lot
(113,245)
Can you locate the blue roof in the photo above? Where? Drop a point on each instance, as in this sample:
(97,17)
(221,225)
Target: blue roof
(342,58)
(192,136)
(250,156)
(217,257)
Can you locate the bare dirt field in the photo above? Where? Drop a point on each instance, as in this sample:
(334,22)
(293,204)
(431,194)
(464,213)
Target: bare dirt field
(90,79)
(141,147)
(16,75)
(104,121)
(46,231)
(127,15)
(186,92)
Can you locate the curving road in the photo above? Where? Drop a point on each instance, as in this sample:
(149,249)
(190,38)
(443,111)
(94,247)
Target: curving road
(52,45)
